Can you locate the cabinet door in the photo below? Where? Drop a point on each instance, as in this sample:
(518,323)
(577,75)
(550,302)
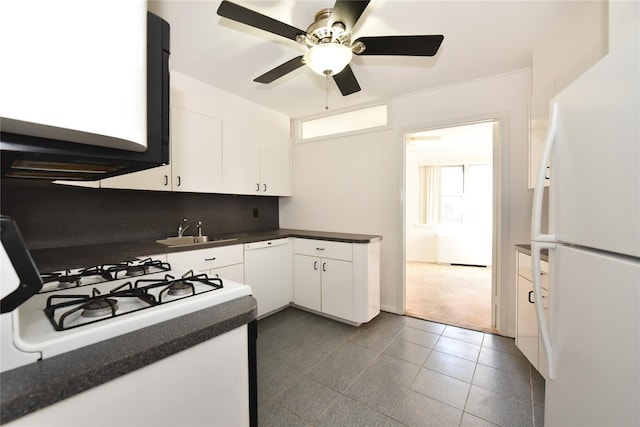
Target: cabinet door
(196,152)
(526,321)
(306,279)
(337,288)
(232,272)
(241,160)
(275,168)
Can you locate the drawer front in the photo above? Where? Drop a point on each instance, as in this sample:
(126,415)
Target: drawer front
(206,259)
(324,249)
(524,267)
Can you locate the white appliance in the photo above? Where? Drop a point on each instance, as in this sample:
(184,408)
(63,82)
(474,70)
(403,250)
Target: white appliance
(71,309)
(591,331)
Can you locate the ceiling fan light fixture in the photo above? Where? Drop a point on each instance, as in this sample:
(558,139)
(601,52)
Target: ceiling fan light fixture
(328,58)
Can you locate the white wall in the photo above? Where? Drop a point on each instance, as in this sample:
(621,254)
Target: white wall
(354,184)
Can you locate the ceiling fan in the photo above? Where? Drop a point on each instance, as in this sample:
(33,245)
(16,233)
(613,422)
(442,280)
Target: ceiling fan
(329,44)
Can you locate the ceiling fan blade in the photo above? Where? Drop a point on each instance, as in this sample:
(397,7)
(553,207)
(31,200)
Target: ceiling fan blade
(280,70)
(348,12)
(346,81)
(246,16)
(401,45)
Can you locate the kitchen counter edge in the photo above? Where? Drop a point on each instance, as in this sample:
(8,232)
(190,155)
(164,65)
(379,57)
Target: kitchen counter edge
(54,259)
(37,385)
(526,249)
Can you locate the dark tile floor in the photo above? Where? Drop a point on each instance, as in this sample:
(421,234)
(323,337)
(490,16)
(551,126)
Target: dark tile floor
(393,371)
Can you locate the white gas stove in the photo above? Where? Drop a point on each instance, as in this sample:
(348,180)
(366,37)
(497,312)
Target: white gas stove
(76,308)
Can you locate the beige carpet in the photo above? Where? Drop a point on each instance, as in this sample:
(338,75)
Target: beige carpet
(454,295)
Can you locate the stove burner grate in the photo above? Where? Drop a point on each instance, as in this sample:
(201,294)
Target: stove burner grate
(63,310)
(95,307)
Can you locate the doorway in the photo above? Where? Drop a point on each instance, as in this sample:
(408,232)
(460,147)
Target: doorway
(449,224)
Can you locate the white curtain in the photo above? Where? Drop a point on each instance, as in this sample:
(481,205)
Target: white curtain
(429,209)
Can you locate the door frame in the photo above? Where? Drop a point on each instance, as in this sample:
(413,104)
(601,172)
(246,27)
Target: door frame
(499,270)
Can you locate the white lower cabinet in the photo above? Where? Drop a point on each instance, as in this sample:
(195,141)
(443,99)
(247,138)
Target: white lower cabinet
(527,337)
(339,279)
(225,261)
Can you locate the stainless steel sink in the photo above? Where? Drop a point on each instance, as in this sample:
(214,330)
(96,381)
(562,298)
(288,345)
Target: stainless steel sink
(192,240)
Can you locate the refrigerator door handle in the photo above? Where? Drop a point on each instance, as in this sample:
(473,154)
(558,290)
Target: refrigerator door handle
(543,327)
(536,220)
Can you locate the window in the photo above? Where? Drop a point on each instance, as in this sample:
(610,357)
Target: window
(457,194)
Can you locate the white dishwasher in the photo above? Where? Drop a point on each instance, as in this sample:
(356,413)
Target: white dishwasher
(268,269)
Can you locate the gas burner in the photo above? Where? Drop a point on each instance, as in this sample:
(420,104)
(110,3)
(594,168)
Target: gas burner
(100,307)
(137,270)
(65,282)
(180,288)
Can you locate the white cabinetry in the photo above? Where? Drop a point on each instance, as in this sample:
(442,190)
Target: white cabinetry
(196,158)
(338,279)
(254,163)
(225,261)
(527,336)
(268,270)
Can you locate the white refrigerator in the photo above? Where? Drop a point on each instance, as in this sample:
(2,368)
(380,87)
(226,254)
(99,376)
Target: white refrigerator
(591,327)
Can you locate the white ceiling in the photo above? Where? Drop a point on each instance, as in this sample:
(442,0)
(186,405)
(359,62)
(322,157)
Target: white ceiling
(481,39)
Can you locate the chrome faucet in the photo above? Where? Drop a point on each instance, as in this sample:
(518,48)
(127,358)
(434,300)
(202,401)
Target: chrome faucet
(182,228)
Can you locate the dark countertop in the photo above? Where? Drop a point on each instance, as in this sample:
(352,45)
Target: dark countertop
(28,388)
(526,249)
(48,260)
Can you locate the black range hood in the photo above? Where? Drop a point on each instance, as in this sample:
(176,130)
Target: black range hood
(29,156)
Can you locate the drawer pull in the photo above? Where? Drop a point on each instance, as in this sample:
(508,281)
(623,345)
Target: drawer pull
(324,266)
(210,259)
(319,249)
(529,298)
(315,265)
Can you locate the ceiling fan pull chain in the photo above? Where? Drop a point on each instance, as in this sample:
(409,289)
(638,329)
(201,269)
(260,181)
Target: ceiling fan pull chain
(326,91)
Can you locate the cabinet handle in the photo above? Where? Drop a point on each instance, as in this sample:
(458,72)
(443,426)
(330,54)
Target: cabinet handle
(529,298)
(257,186)
(324,266)
(264,186)
(315,265)
(546,173)
(166,180)
(210,259)
(319,249)
(179,181)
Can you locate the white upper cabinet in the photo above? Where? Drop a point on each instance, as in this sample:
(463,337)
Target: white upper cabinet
(75,70)
(196,158)
(275,167)
(196,153)
(211,154)
(254,163)
(241,160)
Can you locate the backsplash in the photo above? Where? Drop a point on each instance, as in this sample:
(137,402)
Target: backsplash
(51,215)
